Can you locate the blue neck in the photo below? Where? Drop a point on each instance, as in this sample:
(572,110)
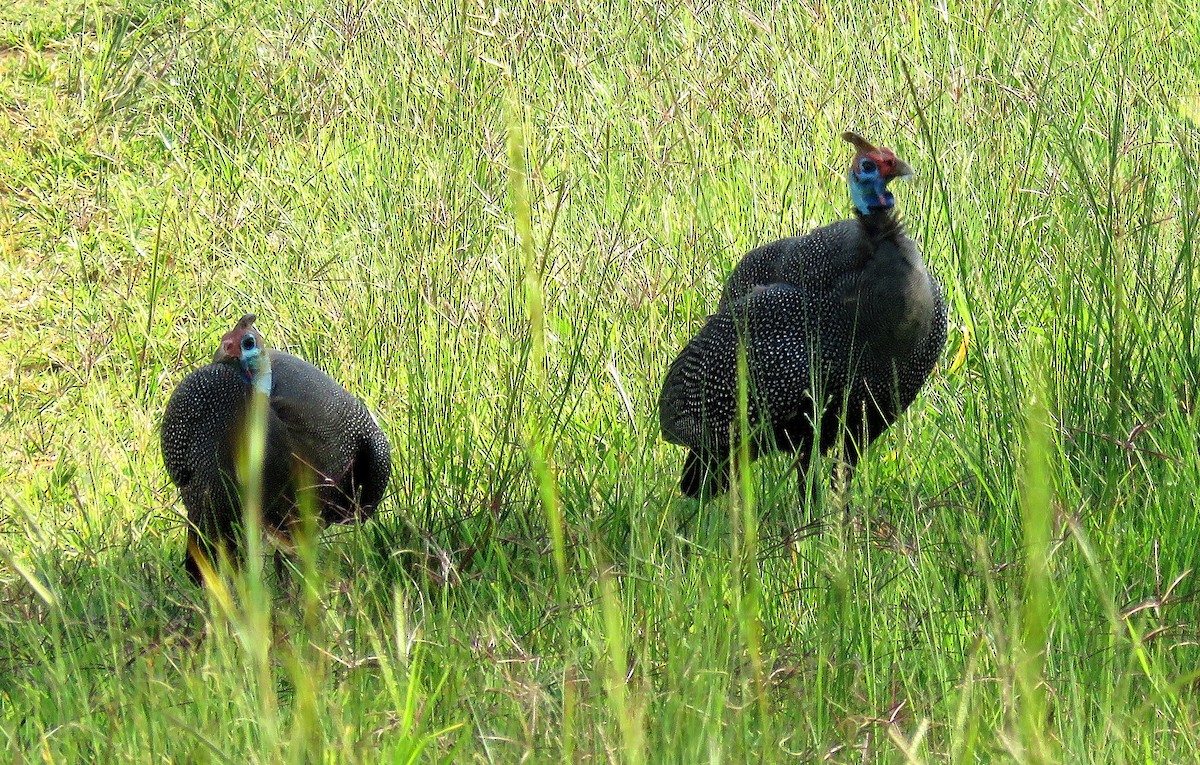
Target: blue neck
(869,193)
(256,368)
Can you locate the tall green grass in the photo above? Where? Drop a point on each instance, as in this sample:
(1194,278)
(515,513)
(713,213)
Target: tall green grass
(497,224)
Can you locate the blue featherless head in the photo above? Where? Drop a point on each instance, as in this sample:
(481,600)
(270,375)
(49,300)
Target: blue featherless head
(869,174)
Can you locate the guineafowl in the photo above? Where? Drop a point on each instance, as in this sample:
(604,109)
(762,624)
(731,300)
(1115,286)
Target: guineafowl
(318,438)
(841,328)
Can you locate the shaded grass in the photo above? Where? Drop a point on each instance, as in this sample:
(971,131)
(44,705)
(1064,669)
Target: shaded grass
(343,170)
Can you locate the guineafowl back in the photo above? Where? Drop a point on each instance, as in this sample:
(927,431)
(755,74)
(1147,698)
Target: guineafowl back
(334,434)
(811,262)
(868,264)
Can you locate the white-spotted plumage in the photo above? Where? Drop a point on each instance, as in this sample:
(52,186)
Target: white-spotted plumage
(319,438)
(841,327)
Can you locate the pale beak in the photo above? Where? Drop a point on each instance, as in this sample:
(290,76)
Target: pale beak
(902,170)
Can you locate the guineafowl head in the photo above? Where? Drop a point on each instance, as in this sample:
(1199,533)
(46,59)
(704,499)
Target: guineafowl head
(244,345)
(870,172)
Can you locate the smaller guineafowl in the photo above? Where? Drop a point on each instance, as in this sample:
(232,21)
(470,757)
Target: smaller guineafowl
(841,328)
(319,439)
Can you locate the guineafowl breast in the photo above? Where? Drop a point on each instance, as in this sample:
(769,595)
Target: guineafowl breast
(196,424)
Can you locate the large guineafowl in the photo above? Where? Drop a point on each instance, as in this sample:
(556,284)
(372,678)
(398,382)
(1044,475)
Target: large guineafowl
(318,438)
(841,328)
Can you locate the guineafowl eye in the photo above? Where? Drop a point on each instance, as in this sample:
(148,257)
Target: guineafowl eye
(867,166)
(248,343)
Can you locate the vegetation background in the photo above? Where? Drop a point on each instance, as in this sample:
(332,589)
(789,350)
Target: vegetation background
(497,223)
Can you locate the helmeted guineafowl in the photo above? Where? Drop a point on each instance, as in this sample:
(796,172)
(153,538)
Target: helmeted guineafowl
(841,328)
(318,437)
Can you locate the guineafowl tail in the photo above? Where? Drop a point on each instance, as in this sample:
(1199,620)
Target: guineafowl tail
(701,476)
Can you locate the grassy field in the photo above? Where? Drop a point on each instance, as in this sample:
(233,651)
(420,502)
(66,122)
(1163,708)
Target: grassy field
(497,224)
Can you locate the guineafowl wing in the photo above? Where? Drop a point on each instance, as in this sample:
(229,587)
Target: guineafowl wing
(333,435)
(698,404)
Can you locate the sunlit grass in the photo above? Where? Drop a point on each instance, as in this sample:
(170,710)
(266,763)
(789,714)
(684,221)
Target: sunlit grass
(497,225)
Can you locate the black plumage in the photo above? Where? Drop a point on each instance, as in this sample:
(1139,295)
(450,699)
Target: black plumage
(319,438)
(841,329)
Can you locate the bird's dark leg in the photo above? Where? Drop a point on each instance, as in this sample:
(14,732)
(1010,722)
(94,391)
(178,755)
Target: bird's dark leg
(211,533)
(843,473)
(203,556)
(285,555)
(808,503)
(800,465)
(279,562)
(197,556)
